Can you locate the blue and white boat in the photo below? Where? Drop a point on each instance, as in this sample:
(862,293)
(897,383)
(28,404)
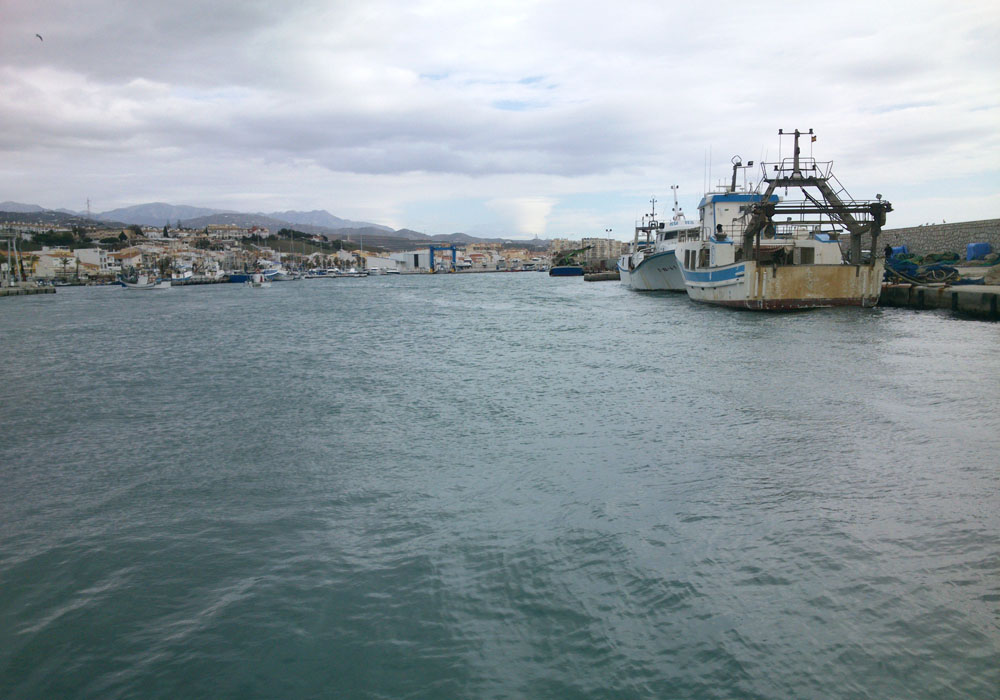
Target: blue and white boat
(258,281)
(145,282)
(651,262)
(757,252)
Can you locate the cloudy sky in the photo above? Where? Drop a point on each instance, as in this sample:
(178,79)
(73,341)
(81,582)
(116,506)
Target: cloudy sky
(517,118)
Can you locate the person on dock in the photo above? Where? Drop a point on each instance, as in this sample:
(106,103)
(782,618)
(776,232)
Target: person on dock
(888,251)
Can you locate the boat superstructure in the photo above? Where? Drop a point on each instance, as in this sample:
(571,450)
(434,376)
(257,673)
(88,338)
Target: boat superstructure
(757,251)
(651,261)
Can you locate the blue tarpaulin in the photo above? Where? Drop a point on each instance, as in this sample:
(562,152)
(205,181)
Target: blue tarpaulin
(899,250)
(911,272)
(977,251)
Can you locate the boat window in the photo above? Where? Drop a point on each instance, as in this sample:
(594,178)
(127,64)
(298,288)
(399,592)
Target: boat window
(703,258)
(807,256)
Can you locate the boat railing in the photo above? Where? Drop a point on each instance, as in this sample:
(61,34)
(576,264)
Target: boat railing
(807,167)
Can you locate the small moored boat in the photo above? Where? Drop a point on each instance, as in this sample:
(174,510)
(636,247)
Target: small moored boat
(143,282)
(258,281)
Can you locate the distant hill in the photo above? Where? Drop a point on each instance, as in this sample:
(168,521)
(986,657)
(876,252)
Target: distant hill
(406,239)
(321,217)
(56,218)
(18,208)
(160,213)
(155,214)
(318,222)
(245,220)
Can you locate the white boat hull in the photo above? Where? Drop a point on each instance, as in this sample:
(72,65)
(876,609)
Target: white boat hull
(145,283)
(258,281)
(784,287)
(655,272)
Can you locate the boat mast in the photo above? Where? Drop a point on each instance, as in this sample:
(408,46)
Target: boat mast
(652,219)
(678,216)
(857,216)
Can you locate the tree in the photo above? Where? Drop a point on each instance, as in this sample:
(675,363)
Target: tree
(165,234)
(165,263)
(52,238)
(122,237)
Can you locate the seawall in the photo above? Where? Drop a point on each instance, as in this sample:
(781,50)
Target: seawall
(936,238)
(975,300)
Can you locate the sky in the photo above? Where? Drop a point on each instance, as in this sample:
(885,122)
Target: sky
(518,119)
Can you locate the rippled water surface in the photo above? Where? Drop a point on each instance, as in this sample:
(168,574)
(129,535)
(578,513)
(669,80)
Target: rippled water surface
(493,486)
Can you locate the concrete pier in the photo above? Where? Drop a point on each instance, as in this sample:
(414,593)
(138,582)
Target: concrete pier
(601,276)
(977,300)
(18,291)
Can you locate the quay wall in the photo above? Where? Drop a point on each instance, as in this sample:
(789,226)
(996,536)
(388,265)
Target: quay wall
(976,300)
(936,238)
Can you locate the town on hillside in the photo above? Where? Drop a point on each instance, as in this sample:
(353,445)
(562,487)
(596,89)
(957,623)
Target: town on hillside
(49,253)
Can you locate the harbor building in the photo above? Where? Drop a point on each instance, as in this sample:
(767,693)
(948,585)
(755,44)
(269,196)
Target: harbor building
(413,260)
(602,253)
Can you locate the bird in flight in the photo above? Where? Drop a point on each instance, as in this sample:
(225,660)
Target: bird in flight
(39,37)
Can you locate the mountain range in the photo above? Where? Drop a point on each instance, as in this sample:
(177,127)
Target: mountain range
(318,222)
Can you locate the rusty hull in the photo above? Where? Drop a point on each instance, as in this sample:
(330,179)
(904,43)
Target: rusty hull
(787,287)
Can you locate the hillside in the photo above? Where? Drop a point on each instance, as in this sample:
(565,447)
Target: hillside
(18,208)
(321,217)
(318,222)
(55,218)
(155,214)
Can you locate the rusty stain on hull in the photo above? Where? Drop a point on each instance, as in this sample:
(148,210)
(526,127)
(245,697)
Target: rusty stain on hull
(798,286)
(787,287)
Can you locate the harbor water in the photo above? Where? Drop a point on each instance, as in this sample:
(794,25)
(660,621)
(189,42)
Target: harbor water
(493,486)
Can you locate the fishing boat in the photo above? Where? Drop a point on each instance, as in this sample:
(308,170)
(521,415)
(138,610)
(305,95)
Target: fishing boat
(651,261)
(564,263)
(258,281)
(756,251)
(143,282)
(566,271)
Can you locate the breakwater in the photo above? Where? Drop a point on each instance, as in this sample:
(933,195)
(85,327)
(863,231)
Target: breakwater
(18,291)
(979,301)
(937,238)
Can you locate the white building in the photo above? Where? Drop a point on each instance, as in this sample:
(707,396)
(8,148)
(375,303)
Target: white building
(602,250)
(413,260)
(375,262)
(55,262)
(98,257)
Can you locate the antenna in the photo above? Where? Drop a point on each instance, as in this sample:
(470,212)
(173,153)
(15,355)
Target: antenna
(678,214)
(88,207)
